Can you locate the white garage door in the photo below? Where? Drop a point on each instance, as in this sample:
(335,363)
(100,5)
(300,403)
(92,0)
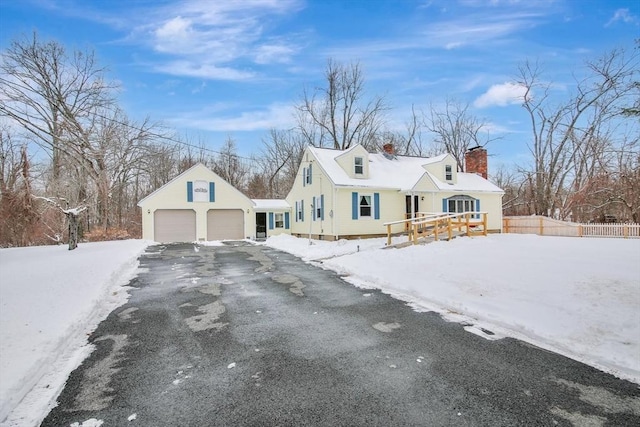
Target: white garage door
(174,225)
(225,224)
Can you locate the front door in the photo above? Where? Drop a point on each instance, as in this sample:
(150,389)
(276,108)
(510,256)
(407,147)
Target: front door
(261,225)
(411,213)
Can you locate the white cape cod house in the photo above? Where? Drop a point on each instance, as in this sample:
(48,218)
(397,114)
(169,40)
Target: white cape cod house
(337,194)
(352,193)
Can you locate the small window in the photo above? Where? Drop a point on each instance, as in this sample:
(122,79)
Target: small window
(299,212)
(319,207)
(448,173)
(307,176)
(365,206)
(279,219)
(359,165)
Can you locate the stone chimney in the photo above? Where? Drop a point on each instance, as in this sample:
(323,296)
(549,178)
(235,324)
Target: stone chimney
(475,161)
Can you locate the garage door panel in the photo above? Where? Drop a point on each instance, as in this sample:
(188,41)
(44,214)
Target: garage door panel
(225,224)
(174,225)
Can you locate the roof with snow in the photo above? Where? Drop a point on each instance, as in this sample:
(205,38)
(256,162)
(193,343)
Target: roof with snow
(400,172)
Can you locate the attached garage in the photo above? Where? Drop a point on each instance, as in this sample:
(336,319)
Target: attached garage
(198,205)
(174,225)
(225,224)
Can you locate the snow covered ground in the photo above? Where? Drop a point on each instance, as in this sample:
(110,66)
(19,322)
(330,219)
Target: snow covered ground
(579,297)
(50,300)
(576,296)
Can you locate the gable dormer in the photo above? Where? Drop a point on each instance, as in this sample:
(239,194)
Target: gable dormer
(355,162)
(444,168)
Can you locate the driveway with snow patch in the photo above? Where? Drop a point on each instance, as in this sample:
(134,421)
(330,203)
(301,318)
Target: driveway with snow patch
(248,335)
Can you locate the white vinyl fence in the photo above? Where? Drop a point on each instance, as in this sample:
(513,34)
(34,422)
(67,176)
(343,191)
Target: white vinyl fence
(545,226)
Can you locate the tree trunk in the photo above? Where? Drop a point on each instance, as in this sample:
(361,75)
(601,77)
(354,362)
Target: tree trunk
(73,230)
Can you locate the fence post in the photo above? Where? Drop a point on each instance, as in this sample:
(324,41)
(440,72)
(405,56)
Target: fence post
(625,231)
(506,225)
(466,218)
(541,231)
(579,230)
(484,223)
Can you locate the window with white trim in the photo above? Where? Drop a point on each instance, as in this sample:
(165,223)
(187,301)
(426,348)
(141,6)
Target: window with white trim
(279,220)
(460,204)
(365,205)
(299,211)
(448,173)
(358,163)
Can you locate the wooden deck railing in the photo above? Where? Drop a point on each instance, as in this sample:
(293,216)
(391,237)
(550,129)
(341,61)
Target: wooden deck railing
(426,224)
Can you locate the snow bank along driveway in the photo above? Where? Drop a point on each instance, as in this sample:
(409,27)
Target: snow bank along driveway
(576,296)
(50,300)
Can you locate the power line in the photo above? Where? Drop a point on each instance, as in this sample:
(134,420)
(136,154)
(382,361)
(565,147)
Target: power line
(167,138)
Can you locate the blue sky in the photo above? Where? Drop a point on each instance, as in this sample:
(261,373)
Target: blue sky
(213,69)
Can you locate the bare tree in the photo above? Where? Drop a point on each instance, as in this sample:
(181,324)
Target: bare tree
(46,90)
(456,130)
(338,115)
(278,160)
(408,142)
(17,214)
(230,166)
(569,139)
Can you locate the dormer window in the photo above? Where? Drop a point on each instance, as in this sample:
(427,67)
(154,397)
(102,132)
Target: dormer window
(448,173)
(358,165)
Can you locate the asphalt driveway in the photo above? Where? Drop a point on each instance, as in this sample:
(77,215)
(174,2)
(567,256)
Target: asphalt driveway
(245,335)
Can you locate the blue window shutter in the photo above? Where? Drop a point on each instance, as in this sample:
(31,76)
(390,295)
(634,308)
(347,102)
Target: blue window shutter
(322,207)
(478,207)
(354,205)
(445,206)
(189,191)
(270,220)
(313,208)
(302,209)
(286,220)
(212,192)
(304,177)
(376,205)
(310,174)
(296,213)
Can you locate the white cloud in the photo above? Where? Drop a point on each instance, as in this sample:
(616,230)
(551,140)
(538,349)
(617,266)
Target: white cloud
(501,95)
(479,29)
(273,53)
(276,115)
(177,27)
(622,15)
(223,31)
(203,70)
(213,39)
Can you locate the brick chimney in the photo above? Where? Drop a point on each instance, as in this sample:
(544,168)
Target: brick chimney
(388,148)
(475,161)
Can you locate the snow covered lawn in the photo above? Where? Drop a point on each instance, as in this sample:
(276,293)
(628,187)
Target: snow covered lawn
(50,300)
(578,297)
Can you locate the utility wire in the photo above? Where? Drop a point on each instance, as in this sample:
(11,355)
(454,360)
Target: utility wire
(167,138)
